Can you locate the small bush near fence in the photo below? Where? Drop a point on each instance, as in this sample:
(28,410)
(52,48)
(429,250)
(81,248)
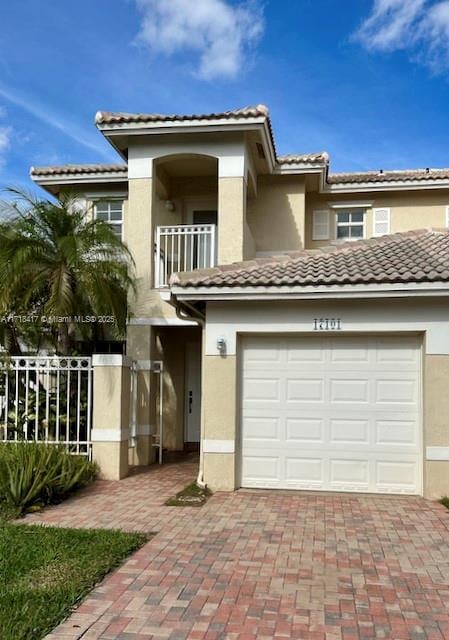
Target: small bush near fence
(35,474)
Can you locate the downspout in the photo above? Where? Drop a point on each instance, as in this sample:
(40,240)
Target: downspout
(196,317)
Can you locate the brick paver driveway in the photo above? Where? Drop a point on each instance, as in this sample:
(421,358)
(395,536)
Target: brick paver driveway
(260,564)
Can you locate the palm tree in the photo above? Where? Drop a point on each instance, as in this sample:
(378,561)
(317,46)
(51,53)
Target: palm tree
(57,261)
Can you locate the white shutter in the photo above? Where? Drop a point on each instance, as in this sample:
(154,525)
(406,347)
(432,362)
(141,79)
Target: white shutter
(381,221)
(447,216)
(320,230)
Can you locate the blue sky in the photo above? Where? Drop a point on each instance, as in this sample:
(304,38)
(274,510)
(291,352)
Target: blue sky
(365,80)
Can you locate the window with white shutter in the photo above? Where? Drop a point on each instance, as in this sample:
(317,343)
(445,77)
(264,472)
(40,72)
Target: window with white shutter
(320,229)
(381,221)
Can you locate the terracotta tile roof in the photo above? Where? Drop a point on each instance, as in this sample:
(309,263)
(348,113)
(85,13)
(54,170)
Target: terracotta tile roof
(321,158)
(424,175)
(76,169)
(415,256)
(110,117)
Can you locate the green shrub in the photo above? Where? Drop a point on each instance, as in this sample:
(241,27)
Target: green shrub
(34,474)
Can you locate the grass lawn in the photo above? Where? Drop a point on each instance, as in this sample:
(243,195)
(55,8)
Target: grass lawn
(45,571)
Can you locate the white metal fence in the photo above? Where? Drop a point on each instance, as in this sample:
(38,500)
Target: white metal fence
(47,399)
(183,248)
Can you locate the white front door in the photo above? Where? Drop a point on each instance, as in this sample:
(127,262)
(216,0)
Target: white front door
(332,413)
(193,392)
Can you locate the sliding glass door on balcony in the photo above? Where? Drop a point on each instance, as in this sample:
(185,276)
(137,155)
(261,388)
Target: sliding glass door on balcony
(183,248)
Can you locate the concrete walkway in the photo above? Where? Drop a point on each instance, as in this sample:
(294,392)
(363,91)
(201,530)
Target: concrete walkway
(263,564)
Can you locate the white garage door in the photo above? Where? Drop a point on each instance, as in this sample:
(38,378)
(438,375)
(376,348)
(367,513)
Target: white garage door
(336,414)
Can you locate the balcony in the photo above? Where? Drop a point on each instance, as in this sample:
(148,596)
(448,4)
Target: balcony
(183,248)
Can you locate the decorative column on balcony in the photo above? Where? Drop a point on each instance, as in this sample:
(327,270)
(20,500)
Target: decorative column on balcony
(233,237)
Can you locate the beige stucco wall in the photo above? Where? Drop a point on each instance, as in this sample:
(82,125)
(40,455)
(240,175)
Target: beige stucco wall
(436,423)
(276,217)
(219,471)
(219,413)
(233,232)
(408,210)
(112,458)
(219,397)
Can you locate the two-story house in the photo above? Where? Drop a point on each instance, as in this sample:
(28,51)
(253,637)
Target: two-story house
(316,356)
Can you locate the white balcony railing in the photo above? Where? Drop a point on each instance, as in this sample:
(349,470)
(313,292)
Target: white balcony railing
(183,248)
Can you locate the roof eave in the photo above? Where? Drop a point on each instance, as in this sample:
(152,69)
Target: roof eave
(298,167)
(180,125)
(344,292)
(399,185)
(79,178)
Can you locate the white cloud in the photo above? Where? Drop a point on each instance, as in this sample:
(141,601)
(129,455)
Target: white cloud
(220,33)
(418,26)
(5,139)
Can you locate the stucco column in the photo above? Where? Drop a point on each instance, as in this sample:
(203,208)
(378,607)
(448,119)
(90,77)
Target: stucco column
(139,238)
(436,426)
(111,412)
(233,232)
(219,421)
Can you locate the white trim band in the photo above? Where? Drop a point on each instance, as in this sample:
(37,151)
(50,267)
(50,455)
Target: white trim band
(218,446)
(110,360)
(109,435)
(160,322)
(437,453)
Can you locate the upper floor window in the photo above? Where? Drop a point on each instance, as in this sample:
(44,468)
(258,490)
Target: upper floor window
(111,211)
(350,225)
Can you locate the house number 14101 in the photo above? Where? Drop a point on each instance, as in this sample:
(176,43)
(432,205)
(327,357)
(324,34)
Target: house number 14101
(327,324)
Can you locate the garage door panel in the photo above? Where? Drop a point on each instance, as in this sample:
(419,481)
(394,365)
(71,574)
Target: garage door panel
(263,466)
(396,390)
(305,389)
(262,428)
(349,390)
(305,472)
(397,432)
(398,475)
(407,353)
(304,430)
(266,389)
(345,471)
(349,431)
(303,352)
(332,414)
(269,353)
(349,351)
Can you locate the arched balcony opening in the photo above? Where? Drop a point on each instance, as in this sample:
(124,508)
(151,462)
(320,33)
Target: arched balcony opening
(185,214)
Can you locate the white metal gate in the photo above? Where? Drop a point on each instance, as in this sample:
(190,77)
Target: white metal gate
(47,399)
(156,367)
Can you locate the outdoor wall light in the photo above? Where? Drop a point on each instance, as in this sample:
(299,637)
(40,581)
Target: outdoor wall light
(170,205)
(221,345)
